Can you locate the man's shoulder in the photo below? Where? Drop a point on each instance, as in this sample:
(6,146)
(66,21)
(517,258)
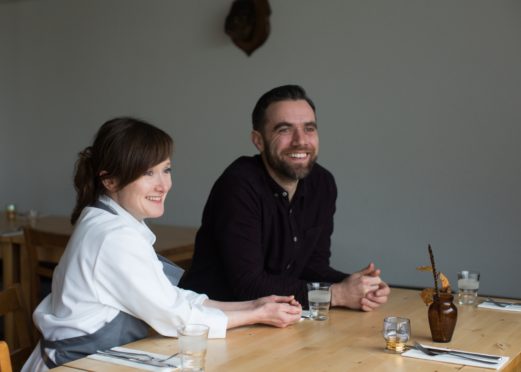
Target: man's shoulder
(320,174)
(244,167)
(322,171)
(244,162)
(244,176)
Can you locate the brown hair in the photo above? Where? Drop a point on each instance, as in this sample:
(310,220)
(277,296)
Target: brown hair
(123,149)
(282,93)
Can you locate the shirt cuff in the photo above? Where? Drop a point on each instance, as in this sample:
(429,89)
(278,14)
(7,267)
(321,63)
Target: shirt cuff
(212,317)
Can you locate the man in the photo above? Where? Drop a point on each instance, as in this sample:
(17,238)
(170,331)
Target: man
(268,221)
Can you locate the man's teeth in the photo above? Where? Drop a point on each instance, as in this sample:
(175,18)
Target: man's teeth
(154,198)
(298,155)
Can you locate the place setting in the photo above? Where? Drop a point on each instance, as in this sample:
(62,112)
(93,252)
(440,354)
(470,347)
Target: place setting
(191,356)
(138,359)
(490,303)
(442,314)
(468,286)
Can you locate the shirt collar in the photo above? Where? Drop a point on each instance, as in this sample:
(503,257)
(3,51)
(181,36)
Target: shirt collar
(275,188)
(129,219)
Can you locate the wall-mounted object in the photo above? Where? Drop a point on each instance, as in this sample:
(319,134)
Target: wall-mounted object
(248,24)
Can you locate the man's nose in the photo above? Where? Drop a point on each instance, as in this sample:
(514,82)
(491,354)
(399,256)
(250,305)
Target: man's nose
(299,137)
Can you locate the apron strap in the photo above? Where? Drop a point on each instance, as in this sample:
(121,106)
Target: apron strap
(124,328)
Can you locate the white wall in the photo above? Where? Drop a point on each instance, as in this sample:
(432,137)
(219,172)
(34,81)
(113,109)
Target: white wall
(418,108)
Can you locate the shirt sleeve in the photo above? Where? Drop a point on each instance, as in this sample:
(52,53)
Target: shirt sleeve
(318,267)
(129,276)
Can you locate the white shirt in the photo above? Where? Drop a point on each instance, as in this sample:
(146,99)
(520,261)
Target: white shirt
(110,265)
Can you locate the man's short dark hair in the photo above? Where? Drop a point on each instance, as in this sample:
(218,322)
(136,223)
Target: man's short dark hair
(282,93)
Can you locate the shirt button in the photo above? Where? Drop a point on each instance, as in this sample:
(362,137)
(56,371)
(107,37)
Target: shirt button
(288,266)
(295,239)
(276,195)
(284,194)
(290,211)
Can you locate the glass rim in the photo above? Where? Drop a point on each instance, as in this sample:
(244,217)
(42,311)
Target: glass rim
(193,329)
(468,272)
(318,284)
(396,319)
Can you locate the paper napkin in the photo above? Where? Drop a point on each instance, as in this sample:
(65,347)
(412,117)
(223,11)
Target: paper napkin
(128,363)
(490,305)
(413,353)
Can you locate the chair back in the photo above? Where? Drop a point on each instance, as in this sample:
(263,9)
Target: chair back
(40,245)
(12,304)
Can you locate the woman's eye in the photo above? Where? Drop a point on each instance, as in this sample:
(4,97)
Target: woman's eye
(168,170)
(148,173)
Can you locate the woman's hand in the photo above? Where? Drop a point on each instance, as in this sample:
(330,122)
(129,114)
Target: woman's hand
(273,298)
(279,313)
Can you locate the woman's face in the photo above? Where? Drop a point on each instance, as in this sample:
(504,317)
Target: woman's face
(145,197)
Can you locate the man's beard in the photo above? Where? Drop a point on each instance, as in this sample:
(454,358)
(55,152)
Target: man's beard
(285,170)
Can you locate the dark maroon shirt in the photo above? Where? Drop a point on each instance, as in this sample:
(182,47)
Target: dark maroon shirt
(254,242)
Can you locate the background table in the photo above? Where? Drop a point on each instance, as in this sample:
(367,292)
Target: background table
(348,341)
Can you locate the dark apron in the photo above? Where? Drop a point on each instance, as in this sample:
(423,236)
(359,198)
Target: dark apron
(124,328)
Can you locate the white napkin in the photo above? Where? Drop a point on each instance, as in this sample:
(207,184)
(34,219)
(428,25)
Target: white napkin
(128,363)
(490,305)
(413,353)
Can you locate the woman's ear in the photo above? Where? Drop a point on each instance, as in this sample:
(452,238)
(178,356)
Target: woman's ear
(108,182)
(257,140)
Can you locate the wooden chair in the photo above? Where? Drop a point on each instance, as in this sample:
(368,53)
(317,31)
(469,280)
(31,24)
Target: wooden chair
(12,303)
(43,251)
(5,358)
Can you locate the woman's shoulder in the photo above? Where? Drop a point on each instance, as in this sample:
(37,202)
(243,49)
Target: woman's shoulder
(98,225)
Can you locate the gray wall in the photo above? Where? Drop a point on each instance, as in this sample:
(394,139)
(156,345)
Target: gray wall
(418,109)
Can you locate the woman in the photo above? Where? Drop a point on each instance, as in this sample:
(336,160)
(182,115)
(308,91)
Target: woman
(110,285)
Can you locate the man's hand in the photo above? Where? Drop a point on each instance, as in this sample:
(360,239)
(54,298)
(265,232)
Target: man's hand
(363,290)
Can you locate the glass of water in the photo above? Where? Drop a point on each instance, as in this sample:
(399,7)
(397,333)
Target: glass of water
(319,298)
(468,285)
(192,346)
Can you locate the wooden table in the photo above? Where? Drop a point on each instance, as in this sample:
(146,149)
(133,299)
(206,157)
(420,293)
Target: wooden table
(173,242)
(348,341)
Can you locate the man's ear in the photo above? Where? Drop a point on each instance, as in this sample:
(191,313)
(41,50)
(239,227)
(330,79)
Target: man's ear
(109,182)
(257,140)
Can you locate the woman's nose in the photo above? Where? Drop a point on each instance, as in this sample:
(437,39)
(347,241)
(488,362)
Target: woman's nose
(164,183)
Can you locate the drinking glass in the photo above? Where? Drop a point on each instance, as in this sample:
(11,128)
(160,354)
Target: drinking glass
(319,298)
(396,332)
(10,212)
(192,346)
(468,285)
